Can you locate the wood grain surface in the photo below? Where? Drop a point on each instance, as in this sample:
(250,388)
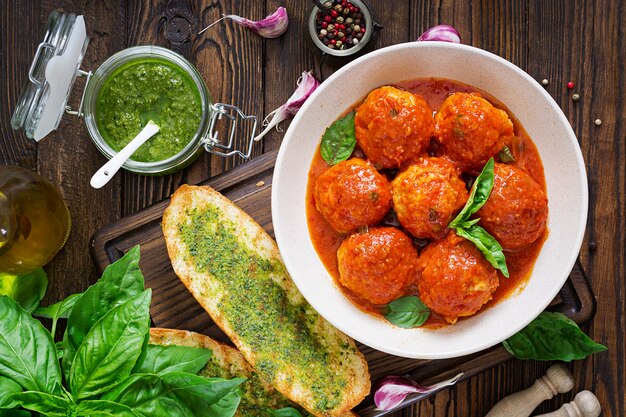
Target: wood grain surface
(559,40)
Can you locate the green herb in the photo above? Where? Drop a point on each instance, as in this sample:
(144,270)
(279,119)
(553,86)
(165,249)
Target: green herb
(7,388)
(505,155)
(120,281)
(487,245)
(552,336)
(111,348)
(164,359)
(27,289)
(468,229)
(27,352)
(14,413)
(286,412)
(104,348)
(407,312)
(339,140)
(57,311)
(478,195)
(177,394)
(43,403)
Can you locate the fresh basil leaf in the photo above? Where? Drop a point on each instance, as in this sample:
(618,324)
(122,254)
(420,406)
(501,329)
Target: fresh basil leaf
(164,359)
(27,289)
(478,195)
(101,408)
(552,336)
(27,352)
(41,402)
(177,394)
(407,312)
(286,412)
(505,155)
(14,413)
(339,140)
(111,348)
(488,246)
(8,387)
(58,310)
(206,396)
(120,281)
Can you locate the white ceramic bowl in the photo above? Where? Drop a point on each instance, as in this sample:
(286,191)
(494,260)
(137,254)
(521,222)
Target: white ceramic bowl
(544,122)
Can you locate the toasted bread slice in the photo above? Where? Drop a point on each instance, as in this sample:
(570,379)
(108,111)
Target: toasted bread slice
(234,270)
(257,396)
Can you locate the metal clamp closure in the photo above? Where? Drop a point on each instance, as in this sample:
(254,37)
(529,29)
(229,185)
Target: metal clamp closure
(79,112)
(231,114)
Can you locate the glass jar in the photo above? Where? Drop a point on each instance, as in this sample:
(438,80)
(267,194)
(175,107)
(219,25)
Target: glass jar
(34,221)
(57,64)
(140,54)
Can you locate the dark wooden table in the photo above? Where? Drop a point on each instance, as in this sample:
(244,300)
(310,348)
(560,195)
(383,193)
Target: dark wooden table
(559,40)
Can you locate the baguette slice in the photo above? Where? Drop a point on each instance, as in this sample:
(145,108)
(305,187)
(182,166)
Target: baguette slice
(257,396)
(234,270)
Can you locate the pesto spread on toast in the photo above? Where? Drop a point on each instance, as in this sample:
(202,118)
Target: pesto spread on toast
(234,270)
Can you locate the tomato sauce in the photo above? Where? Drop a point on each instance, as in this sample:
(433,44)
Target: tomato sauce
(520,262)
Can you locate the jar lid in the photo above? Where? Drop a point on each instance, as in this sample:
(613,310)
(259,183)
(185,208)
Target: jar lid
(51,76)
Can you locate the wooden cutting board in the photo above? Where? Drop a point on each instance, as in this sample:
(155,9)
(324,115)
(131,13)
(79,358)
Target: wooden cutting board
(249,186)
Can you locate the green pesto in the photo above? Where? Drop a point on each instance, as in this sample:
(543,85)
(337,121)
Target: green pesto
(258,309)
(143,90)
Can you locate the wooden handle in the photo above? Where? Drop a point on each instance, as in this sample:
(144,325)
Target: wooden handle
(557,380)
(585,404)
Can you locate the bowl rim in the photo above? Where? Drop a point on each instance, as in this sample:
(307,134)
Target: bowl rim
(281,232)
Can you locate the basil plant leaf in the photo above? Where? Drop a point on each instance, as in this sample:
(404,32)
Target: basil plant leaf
(43,403)
(148,395)
(58,310)
(206,396)
(552,336)
(478,195)
(177,394)
(165,359)
(339,140)
(487,245)
(14,413)
(101,408)
(120,281)
(286,412)
(111,349)
(28,355)
(27,289)
(8,387)
(407,312)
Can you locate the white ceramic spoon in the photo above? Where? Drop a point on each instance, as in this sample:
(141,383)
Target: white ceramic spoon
(108,170)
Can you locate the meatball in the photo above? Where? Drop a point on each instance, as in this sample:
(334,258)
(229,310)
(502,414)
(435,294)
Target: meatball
(426,196)
(393,126)
(352,194)
(471,130)
(377,265)
(456,279)
(517,208)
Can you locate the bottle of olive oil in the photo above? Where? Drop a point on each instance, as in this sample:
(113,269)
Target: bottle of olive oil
(34,221)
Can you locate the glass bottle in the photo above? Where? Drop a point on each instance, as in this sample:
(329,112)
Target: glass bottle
(34,221)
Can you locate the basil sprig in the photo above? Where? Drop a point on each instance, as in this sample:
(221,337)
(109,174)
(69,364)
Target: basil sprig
(339,140)
(481,189)
(407,312)
(552,336)
(468,229)
(110,369)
